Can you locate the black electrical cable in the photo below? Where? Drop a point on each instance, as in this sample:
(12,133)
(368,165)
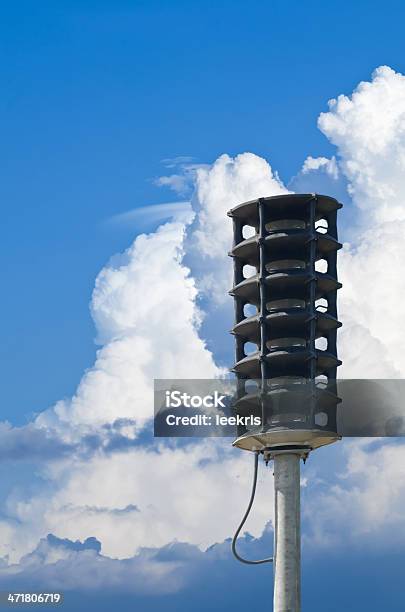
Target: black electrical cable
(235,537)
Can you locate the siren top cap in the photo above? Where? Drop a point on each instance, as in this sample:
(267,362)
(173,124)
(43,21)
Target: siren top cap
(287,206)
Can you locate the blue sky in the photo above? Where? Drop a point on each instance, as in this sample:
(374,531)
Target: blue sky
(98,97)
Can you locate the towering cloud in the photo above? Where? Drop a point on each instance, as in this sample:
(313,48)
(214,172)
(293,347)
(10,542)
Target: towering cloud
(228,182)
(144,308)
(368,129)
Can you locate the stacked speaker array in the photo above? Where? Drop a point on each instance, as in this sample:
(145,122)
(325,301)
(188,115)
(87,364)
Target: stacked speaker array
(285,289)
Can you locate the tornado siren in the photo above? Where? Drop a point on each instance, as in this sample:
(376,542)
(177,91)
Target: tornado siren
(285,289)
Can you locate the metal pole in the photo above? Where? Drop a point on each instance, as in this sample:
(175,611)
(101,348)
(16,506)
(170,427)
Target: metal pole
(287,536)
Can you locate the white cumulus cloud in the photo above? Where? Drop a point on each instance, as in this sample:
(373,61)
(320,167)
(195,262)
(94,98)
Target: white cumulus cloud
(368,129)
(228,182)
(144,308)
